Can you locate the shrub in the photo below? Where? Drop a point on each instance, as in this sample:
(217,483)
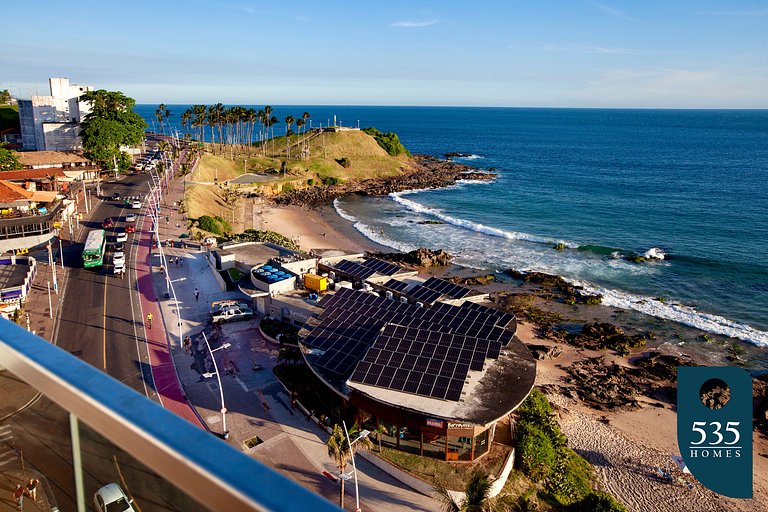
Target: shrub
(536,410)
(310,182)
(570,480)
(258,235)
(535,453)
(331,180)
(287,187)
(598,502)
(389,142)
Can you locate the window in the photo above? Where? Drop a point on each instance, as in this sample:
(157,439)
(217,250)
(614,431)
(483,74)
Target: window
(459,448)
(481,443)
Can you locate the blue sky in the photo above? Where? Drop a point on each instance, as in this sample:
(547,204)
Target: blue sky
(569,53)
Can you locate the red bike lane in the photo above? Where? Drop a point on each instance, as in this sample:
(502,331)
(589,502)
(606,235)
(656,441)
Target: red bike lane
(164,375)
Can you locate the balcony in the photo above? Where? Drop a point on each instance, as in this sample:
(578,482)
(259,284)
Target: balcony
(114,434)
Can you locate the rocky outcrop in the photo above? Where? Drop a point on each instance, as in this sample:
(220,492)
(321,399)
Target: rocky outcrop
(473,280)
(603,335)
(545,351)
(426,172)
(569,293)
(421,257)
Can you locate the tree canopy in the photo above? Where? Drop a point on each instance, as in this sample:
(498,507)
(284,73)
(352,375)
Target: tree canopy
(8,160)
(110,124)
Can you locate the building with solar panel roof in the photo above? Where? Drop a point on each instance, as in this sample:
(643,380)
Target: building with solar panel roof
(427,360)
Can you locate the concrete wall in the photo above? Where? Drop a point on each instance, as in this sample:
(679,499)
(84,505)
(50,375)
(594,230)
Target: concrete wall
(62,136)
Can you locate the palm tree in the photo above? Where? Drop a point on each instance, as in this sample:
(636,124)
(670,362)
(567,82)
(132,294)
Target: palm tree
(288,122)
(268,123)
(272,122)
(199,112)
(304,118)
(339,450)
(159,113)
(476,497)
(380,430)
(186,116)
(299,126)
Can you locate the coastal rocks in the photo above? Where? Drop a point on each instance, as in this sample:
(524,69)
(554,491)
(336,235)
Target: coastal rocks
(454,154)
(545,351)
(425,173)
(421,257)
(570,294)
(715,397)
(660,367)
(604,335)
(605,387)
(473,280)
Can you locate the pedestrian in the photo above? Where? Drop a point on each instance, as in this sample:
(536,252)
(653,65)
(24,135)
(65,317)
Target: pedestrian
(32,488)
(149,320)
(197,294)
(18,495)
(187,344)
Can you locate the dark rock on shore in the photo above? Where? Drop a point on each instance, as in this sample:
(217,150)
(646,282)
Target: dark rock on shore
(570,294)
(421,257)
(605,387)
(473,280)
(545,351)
(600,336)
(427,172)
(454,154)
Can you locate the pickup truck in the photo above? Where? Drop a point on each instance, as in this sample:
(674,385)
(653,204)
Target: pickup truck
(231,314)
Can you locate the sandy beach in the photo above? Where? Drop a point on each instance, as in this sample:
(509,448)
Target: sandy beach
(624,447)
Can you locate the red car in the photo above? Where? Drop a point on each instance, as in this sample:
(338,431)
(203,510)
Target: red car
(107,223)
(130,229)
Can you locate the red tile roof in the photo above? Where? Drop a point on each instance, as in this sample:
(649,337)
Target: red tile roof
(32,174)
(10,192)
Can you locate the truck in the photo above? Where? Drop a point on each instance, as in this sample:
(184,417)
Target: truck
(231,314)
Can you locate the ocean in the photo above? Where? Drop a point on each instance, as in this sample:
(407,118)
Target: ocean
(688,185)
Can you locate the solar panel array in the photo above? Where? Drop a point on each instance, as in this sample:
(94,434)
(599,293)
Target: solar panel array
(381,267)
(446,287)
(389,344)
(367,268)
(424,294)
(355,269)
(398,286)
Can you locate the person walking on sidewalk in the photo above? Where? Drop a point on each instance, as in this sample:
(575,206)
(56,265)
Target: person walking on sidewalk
(197,294)
(149,320)
(188,345)
(18,496)
(32,488)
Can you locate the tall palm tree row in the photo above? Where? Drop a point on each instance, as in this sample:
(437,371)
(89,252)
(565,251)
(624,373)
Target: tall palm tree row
(236,125)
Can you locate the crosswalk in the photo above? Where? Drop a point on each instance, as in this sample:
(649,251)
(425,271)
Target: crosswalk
(8,453)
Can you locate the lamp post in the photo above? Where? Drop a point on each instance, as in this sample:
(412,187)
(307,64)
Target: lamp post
(224,431)
(363,433)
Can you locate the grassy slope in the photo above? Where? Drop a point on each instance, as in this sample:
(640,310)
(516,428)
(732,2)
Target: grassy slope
(367,158)
(9,116)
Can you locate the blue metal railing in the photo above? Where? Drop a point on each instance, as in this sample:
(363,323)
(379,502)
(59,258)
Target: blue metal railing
(206,468)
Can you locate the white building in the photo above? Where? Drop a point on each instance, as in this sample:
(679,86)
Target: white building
(52,123)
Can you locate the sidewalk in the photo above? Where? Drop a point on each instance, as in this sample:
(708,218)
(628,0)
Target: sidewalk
(256,402)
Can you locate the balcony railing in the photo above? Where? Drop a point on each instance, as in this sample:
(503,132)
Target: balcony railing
(208,470)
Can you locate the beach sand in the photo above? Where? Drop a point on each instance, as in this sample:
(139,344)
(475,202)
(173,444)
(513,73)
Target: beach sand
(624,447)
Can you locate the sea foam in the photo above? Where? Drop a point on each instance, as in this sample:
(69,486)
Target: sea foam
(470,225)
(342,213)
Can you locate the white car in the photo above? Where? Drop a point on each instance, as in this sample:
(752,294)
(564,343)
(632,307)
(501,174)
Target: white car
(119,258)
(139,166)
(119,270)
(131,217)
(121,236)
(111,498)
(136,204)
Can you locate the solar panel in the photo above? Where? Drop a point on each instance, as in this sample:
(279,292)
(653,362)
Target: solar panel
(354,269)
(381,267)
(394,284)
(423,294)
(446,287)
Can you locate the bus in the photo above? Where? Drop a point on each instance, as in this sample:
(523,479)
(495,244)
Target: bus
(93,253)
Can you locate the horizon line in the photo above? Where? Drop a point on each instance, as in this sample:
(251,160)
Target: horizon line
(461,106)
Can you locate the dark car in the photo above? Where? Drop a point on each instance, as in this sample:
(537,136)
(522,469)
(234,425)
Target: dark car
(119,247)
(115,196)
(107,223)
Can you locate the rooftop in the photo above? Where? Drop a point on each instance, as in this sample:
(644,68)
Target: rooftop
(14,275)
(33,174)
(50,157)
(10,192)
(257,253)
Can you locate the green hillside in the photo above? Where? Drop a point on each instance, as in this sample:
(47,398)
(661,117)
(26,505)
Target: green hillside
(9,116)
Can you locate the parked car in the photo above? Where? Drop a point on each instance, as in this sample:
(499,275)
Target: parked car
(131,217)
(119,258)
(107,223)
(111,498)
(115,196)
(139,166)
(232,314)
(121,235)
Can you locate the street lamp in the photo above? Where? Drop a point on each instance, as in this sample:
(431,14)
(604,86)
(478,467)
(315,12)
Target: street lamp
(224,431)
(363,433)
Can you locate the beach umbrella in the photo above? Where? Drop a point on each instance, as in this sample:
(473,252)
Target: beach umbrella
(681,464)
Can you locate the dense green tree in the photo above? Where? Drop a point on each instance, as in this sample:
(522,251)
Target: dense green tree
(5,97)
(8,160)
(111,123)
